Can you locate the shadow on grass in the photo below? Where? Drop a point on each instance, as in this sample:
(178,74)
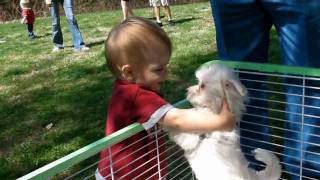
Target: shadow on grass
(44,35)
(154,18)
(91,44)
(180,21)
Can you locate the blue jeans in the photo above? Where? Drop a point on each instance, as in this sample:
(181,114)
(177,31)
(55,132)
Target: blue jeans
(242,33)
(57,36)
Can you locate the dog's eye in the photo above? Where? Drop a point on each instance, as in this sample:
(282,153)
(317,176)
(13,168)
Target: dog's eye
(202,86)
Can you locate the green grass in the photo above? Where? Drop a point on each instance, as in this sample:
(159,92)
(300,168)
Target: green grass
(71,90)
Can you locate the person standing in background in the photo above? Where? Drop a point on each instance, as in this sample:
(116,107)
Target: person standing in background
(156,6)
(242,33)
(57,37)
(126,9)
(28,17)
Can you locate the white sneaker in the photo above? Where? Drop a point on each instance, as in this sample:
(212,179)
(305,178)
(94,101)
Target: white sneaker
(84,48)
(56,49)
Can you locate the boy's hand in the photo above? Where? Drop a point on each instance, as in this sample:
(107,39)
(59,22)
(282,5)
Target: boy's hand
(23,20)
(227,118)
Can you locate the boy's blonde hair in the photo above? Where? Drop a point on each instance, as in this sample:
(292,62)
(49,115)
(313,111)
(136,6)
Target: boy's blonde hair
(128,42)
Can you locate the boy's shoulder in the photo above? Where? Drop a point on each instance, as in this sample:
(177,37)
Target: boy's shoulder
(131,87)
(126,90)
(123,88)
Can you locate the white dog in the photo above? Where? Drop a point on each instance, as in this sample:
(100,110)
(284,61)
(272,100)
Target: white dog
(217,155)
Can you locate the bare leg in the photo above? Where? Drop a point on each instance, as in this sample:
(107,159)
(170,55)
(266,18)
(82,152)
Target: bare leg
(157,13)
(126,9)
(130,12)
(168,12)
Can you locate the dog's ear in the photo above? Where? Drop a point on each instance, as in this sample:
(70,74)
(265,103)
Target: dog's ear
(236,87)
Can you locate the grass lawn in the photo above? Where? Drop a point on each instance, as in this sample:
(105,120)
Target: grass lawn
(70,90)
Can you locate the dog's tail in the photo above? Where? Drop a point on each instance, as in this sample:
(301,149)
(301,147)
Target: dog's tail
(273,167)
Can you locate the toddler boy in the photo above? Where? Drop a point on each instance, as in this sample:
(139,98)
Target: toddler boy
(28,17)
(138,53)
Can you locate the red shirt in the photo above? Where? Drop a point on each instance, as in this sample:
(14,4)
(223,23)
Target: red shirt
(29,14)
(137,156)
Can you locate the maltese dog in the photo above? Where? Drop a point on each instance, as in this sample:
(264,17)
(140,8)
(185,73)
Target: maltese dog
(217,155)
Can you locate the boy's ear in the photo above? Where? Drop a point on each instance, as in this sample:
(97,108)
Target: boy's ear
(127,72)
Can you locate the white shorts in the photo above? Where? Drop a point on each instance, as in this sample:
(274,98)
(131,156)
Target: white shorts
(156,3)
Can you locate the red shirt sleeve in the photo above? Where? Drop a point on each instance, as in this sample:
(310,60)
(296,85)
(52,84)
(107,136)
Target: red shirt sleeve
(131,103)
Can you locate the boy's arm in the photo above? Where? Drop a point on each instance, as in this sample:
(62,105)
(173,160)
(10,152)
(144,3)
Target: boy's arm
(23,20)
(23,14)
(199,121)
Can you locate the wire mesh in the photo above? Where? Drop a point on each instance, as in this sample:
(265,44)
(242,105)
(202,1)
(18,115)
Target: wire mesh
(283,116)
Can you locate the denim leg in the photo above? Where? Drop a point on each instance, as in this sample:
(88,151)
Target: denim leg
(311,131)
(292,143)
(302,145)
(76,35)
(242,30)
(57,37)
(242,33)
(298,26)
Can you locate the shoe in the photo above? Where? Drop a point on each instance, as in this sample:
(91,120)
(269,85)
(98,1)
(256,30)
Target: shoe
(56,49)
(83,48)
(171,23)
(32,36)
(159,24)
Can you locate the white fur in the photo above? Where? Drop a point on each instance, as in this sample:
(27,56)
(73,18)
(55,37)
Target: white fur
(218,154)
